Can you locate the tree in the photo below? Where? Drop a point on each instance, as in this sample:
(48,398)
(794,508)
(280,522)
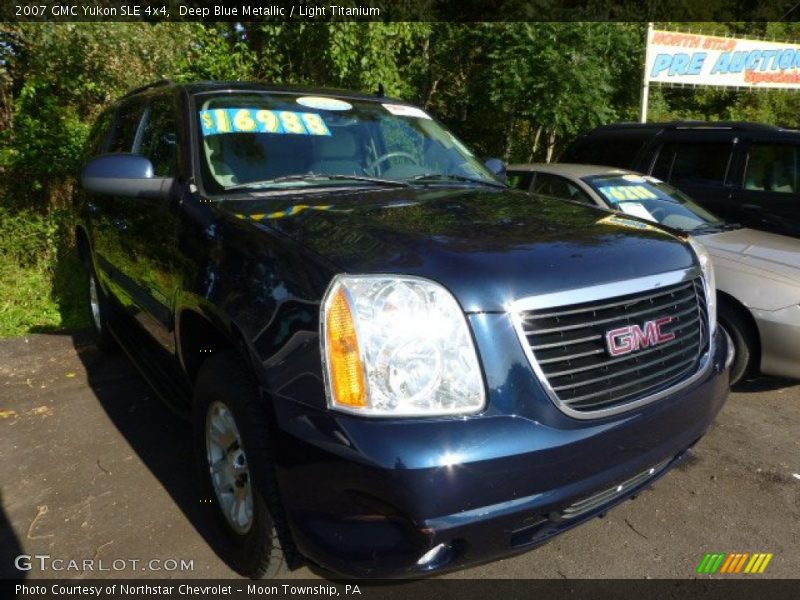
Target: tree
(56,78)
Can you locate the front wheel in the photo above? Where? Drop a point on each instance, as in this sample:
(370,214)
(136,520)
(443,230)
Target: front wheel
(235,467)
(745,344)
(99,312)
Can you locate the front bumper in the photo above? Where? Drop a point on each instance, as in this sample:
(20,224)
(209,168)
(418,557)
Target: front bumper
(401,498)
(779,331)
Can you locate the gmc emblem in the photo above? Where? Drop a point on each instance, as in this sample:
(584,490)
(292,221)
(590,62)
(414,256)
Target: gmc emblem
(632,337)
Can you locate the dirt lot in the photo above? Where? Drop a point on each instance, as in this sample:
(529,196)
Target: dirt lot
(93,466)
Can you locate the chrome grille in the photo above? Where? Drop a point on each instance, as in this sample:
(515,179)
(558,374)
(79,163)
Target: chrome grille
(570,352)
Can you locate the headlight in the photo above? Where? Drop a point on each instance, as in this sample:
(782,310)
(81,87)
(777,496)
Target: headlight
(397,346)
(704,258)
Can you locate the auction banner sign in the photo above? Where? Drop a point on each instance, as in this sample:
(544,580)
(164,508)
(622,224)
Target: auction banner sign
(696,59)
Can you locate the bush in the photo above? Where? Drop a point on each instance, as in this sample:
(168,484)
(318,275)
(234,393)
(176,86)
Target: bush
(41,277)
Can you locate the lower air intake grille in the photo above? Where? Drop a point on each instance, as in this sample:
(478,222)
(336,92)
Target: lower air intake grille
(599,355)
(592,502)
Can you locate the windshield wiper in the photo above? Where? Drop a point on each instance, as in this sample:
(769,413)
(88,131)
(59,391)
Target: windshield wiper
(731,226)
(716,227)
(303,177)
(454,177)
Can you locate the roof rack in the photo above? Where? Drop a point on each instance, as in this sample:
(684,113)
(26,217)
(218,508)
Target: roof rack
(737,125)
(697,124)
(154,84)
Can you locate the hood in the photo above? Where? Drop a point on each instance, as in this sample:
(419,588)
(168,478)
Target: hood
(752,249)
(488,247)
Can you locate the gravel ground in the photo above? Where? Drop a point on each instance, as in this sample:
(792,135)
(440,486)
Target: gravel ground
(93,466)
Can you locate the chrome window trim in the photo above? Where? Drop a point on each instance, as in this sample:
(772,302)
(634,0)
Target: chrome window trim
(607,291)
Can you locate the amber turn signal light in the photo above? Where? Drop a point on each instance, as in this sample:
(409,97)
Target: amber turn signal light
(346,371)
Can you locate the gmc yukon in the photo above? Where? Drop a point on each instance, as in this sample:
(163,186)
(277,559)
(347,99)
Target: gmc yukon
(394,364)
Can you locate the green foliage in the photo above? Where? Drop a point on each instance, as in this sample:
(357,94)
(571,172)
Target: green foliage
(25,303)
(41,280)
(344,54)
(556,78)
(55,79)
(27,239)
(215,53)
(47,138)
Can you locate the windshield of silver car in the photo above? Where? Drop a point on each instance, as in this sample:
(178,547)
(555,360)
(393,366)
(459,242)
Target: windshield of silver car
(652,199)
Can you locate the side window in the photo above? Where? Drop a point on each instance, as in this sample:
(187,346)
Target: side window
(99,134)
(159,139)
(520,180)
(559,187)
(698,163)
(771,168)
(126,126)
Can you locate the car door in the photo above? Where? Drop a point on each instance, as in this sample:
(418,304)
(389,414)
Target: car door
(107,214)
(699,163)
(136,243)
(149,263)
(768,194)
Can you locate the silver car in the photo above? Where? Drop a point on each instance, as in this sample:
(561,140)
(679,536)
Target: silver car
(757,273)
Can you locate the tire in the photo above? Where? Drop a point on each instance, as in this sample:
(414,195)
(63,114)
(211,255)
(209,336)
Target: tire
(99,311)
(225,392)
(745,342)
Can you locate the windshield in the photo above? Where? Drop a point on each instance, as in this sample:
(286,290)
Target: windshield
(275,141)
(654,200)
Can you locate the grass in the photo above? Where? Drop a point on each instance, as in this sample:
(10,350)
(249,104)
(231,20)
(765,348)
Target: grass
(41,278)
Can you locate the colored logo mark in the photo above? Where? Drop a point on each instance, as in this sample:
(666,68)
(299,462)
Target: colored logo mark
(742,562)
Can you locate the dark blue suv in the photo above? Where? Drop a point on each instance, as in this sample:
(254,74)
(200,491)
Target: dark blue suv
(393,363)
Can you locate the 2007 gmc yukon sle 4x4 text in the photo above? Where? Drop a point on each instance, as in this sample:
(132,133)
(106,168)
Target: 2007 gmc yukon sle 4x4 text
(393,363)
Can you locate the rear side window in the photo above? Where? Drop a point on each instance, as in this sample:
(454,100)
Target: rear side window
(772,168)
(694,163)
(619,151)
(126,126)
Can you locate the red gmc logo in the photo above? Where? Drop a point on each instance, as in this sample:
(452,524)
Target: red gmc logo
(632,337)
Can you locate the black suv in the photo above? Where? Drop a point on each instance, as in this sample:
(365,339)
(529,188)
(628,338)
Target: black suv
(744,172)
(393,363)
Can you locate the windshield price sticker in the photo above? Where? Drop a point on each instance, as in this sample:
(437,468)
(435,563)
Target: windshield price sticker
(323,103)
(636,209)
(621,193)
(634,178)
(219,121)
(401,110)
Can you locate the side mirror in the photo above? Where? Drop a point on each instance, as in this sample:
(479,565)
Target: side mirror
(124,175)
(497,167)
